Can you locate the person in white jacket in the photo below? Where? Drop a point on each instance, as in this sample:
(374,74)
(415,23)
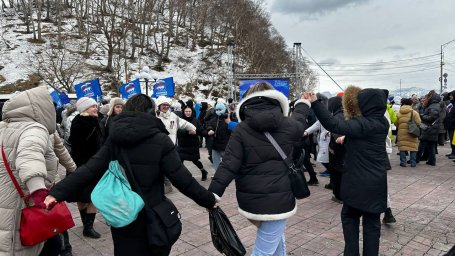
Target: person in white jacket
(173,123)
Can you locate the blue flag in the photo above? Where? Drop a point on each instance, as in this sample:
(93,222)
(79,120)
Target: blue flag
(91,89)
(164,87)
(64,98)
(129,89)
(56,99)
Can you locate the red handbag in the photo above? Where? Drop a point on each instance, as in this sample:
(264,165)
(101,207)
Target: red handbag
(38,224)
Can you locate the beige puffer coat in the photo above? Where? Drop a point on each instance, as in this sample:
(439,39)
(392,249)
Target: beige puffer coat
(406,141)
(28,119)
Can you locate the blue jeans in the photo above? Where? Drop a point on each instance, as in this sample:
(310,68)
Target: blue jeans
(270,239)
(217,157)
(413,157)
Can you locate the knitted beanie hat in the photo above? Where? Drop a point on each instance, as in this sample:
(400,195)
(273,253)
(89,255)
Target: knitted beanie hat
(84,103)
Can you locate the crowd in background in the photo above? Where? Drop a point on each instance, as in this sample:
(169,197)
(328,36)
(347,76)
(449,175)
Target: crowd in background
(346,134)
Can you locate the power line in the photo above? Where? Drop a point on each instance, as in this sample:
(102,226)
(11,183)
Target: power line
(377,69)
(380,62)
(388,74)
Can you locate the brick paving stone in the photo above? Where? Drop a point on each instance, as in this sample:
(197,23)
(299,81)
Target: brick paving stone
(423,202)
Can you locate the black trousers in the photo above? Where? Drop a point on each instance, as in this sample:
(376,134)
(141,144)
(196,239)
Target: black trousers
(52,246)
(335,180)
(350,218)
(308,165)
(197,163)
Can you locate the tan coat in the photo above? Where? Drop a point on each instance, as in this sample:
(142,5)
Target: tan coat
(28,119)
(406,141)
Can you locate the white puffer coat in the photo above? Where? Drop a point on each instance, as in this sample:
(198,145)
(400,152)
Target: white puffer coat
(28,119)
(173,123)
(323,141)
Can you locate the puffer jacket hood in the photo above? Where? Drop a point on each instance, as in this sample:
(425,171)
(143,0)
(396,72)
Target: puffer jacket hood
(31,105)
(129,128)
(435,98)
(367,102)
(351,103)
(263,111)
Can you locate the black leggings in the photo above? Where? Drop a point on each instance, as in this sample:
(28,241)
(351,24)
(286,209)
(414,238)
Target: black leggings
(197,163)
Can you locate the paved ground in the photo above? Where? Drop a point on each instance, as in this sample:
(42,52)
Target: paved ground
(422,202)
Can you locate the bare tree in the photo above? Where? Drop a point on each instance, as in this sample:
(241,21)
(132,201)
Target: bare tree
(59,68)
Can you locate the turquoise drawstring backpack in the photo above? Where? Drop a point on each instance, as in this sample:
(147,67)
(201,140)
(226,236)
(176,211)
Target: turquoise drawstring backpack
(114,199)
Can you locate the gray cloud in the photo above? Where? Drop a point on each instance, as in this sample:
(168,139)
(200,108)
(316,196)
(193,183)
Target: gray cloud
(330,61)
(312,7)
(394,48)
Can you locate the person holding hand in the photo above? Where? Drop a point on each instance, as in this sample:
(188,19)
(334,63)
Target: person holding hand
(364,178)
(141,137)
(28,121)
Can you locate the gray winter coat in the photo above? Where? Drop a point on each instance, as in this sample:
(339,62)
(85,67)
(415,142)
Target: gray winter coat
(28,119)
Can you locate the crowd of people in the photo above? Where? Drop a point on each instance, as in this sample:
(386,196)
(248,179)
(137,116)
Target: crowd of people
(351,135)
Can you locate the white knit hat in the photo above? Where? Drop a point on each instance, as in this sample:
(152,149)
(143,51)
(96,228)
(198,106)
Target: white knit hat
(162,99)
(84,103)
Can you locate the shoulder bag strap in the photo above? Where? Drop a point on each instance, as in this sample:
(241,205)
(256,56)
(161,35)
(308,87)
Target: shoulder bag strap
(11,175)
(130,171)
(412,114)
(275,145)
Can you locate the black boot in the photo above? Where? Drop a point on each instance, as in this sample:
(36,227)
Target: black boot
(66,246)
(388,217)
(88,226)
(313,181)
(204,174)
(83,215)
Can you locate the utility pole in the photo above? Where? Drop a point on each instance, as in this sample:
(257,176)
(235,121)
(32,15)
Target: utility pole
(442,62)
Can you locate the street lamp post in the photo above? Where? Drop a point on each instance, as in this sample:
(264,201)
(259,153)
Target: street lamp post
(146,76)
(442,62)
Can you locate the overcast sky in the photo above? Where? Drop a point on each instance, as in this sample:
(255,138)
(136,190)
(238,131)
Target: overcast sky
(387,40)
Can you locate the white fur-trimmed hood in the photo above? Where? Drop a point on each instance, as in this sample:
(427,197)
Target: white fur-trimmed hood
(272,94)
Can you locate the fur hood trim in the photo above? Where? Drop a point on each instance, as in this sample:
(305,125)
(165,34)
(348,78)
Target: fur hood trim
(268,217)
(272,94)
(351,102)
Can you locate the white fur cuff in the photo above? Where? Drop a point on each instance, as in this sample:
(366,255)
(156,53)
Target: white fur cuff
(303,101)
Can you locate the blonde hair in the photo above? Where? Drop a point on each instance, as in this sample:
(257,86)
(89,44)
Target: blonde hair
(258,87)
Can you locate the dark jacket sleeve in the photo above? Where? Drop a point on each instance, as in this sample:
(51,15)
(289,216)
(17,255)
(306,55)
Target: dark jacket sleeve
(181,178)
(352,128)
(83,176)
(229,167)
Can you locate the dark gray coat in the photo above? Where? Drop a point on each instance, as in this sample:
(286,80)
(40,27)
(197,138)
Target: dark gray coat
(430,120)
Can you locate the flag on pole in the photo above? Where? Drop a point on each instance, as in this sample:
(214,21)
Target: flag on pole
(130,89)
(91,89)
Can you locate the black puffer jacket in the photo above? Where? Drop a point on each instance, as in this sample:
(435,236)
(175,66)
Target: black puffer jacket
(337,151)
(152,155)
(85,139)
(449,120)
(188,144)
(364,183)
(262,183)
(222,133)
(430,119)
